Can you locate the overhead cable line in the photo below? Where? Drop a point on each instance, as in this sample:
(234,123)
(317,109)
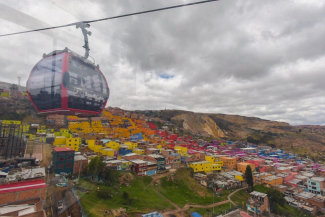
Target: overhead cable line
(111,18)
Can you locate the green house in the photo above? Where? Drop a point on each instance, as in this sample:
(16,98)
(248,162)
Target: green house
(63,159)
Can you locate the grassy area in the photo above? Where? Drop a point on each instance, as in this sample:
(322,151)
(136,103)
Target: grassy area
(240,197)
(261,188)
(145,199)
(290,211)
(217,210)
(183,189)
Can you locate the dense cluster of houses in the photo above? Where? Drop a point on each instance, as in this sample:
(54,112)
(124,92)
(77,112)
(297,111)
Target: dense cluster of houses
(132,141)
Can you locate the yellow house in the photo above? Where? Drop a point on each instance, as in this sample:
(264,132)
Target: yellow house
(11,122)
(107,152)
(131,145)
(30,137)
(91,144)
(25,128)
(180,149)
(138,151)
(214,159)
(73,143)
(5,94)
(241,167)
(205,166)
(59,140)
(113,145)
(64,130)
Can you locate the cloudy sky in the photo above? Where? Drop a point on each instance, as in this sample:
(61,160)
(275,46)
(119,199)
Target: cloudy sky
(252,57)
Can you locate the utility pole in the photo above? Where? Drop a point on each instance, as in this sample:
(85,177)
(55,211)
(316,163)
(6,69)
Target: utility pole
(18,81)
(79,170)
(213,198)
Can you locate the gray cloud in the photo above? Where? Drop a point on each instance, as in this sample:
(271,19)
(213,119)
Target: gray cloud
(254,58)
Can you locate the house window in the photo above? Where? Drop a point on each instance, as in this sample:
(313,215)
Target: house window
(61,159)
(69,165)
(70,158)
(60,166)
(62,153)
(313,183)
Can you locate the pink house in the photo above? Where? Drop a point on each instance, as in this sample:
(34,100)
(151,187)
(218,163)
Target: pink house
(256,161)
(287,176)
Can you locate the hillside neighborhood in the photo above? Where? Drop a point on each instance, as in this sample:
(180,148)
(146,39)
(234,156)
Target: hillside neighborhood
(58,153)
(55,165)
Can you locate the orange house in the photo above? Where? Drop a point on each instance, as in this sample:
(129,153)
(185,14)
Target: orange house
(229,162)
(241,167)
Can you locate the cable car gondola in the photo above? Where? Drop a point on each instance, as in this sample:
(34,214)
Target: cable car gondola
(64,82)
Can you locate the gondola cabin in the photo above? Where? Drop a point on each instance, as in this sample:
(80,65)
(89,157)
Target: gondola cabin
(65,83)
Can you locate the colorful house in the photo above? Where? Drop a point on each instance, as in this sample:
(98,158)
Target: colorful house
(258,202)
(229,162)
(316,185)
(138,151)
(63,160)
(205,166)
(241,167)
(271,181)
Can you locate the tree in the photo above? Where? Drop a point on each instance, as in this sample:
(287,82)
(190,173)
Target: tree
(249,177)
(95,166)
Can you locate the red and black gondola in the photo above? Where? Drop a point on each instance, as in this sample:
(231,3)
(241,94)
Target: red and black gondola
(65,83)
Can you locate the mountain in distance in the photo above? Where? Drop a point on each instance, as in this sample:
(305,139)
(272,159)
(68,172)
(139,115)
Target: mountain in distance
(306,140)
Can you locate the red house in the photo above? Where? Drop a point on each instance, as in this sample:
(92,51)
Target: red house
(139,167)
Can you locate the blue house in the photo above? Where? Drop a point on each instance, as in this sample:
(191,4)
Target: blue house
(123,150)
(315,185)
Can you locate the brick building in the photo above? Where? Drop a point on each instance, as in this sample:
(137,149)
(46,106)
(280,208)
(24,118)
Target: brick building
(13,192)
(80,163)
(55,119)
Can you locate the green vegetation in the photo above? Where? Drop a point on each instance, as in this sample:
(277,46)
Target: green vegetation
(95,166)
(289,211)
(261,188)
(240,197)
(140,196)
(182,189)
(221,209)
(249,177)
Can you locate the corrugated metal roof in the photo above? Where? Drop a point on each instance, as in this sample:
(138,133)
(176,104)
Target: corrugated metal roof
(22,186)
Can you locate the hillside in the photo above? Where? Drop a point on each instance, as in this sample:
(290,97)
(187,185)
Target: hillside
(305,140)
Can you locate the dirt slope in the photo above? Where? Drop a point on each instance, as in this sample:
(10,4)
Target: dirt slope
(197,123)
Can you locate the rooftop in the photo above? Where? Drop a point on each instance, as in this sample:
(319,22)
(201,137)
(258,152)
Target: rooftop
(270,178)
(79,157)
(306,195)
(60,149)
(22,186)
(258,194)
(318,179)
